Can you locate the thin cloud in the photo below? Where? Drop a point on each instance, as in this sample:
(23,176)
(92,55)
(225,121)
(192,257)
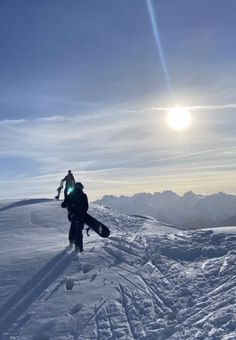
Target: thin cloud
(12,121)
(53,119)
(197,107)
(132,111)
(56,118)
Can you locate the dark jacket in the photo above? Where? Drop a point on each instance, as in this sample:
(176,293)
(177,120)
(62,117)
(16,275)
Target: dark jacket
(77,204)
(70,181)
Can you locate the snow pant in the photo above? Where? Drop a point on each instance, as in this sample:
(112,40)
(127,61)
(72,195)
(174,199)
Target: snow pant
(70,219)
(76,234)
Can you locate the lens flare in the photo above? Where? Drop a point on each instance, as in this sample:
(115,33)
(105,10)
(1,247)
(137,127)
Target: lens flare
(69,190)
(158,42)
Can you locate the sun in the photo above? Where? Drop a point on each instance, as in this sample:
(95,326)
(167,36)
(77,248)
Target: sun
(179,118)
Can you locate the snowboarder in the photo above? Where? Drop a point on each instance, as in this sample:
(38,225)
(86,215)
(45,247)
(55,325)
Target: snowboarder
(70,183)
(77,205)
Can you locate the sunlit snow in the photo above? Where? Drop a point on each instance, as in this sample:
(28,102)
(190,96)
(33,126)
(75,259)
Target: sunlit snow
(147,281)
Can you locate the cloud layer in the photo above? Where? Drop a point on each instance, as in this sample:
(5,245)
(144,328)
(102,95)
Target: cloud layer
(118,152)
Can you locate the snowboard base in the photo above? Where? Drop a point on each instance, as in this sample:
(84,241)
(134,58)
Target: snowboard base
(99,228)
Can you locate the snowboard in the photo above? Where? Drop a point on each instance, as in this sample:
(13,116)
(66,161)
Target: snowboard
(59,189)
(99,228)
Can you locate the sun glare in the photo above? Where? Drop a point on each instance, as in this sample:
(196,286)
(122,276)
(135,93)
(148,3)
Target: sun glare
(179,118)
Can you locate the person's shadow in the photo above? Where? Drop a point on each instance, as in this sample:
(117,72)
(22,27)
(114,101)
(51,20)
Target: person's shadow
(15,307)
(25,202)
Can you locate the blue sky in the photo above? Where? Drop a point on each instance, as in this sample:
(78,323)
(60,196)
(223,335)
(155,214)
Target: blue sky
(82,87)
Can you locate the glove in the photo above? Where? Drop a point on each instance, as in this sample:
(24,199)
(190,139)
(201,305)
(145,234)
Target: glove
(63,204)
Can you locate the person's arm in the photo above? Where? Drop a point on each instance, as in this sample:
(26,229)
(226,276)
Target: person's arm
(73,179)
(65,203)
(64,179)
(86,205)
(61,184)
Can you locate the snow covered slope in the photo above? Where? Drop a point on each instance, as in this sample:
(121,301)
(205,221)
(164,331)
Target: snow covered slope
(148,281)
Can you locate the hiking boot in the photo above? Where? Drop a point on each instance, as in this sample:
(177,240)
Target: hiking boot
(78,249)
(71,244)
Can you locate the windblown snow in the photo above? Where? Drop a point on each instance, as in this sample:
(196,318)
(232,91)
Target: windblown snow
(147,281)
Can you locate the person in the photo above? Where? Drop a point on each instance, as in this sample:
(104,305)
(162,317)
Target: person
(77,205)
(70,183)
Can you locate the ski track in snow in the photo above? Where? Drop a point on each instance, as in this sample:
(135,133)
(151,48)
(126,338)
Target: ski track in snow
(148,281)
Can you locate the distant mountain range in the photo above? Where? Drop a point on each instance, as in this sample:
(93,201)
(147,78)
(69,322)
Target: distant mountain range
(189,210)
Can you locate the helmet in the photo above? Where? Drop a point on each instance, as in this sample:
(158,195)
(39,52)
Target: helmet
(79,185)
(69,171)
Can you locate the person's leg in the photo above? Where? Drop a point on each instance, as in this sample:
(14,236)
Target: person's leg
(72,232)
(79,236)
(69,216)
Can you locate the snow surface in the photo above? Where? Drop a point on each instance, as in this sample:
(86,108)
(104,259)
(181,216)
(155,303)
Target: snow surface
(147,281)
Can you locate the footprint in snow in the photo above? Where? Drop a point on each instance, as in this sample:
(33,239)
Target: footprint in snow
(87,268)
(76,308)
(79,267)
(69,284)
(93,277)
